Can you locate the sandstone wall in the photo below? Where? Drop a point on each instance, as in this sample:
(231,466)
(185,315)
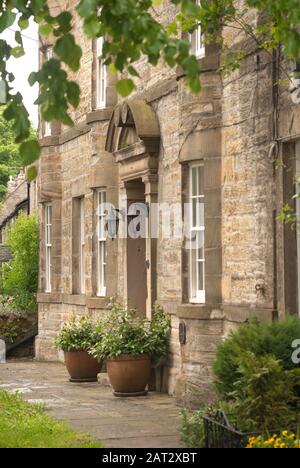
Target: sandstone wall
(230,127)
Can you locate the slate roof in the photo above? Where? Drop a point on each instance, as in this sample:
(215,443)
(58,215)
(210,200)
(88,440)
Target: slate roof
(12,202)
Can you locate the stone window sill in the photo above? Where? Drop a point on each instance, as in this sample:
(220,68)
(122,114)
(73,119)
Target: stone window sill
(97,302)
(99,115)
(73,299)
(199,312)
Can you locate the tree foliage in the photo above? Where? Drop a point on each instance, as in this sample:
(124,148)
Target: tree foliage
(130,30)
(10,161)
(19,276)
(10,158)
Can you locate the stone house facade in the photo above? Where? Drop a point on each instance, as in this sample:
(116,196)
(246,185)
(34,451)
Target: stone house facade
(167,146)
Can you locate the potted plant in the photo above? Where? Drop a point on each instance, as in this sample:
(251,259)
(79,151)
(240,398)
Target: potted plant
(130,345)
(76,338)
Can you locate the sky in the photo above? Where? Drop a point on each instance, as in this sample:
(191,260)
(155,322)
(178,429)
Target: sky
(23,66)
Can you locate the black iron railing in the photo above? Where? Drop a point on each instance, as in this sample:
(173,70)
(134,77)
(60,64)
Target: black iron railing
(220,433)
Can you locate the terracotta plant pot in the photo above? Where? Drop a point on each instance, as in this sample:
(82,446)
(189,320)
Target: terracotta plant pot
(81,366)
(129,375)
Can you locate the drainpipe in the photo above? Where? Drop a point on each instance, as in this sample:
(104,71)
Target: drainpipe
(275,92)
(28,198)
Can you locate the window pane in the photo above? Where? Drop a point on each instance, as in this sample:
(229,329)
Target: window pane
(101,201)
(197,253)
(194,181)
(99,46)
(200,245)
(194,211)
(200,189)
(81,246)
(101,243)
(200,276)
(194,273)
(200,213)
(102,227)
(48,240)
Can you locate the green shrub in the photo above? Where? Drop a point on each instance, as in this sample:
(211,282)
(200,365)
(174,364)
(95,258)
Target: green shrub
(192,428)
(124,334)
(78,334)
(19,276)
(260,339)
(264,395)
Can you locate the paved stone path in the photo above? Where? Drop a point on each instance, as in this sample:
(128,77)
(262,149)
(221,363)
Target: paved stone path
(150,422)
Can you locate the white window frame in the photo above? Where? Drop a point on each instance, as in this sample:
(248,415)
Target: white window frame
(47,129)
(48,246)
(197,231)
(82,245)
(101,244)
(197,40)
(47,125)
(101,75)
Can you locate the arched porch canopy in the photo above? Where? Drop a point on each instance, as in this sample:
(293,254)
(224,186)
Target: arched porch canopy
(134,126)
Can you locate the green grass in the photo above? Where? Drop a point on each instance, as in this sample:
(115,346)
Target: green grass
(24,425)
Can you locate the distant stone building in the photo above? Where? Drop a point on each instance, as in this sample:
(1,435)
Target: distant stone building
(214,151)
(21,197)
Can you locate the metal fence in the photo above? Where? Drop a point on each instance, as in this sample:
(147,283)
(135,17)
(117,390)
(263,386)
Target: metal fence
(219,433)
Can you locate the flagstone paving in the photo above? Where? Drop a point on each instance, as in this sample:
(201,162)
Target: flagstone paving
(151,422)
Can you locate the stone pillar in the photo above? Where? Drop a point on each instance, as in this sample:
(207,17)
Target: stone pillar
(151,198)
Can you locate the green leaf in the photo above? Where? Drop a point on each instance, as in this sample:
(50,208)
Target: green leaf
(133,71)
(68,51)
(194,85)
(92,26)
(157,3)
(17,52)
(73,93)
(45,29)
(23,23)
(87,8)
(125,87)
(18,38)
(7,19)
(32,79)
(31,173)
(30,151)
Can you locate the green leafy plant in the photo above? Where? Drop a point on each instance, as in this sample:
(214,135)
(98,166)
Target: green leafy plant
(78,334)
(261,339)
(264,394)
(19,276)
(124,334)
(192,428)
